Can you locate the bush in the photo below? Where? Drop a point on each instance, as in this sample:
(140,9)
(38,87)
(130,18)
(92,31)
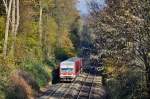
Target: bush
(129,85)
(4,74)
(41,72)
(18,88)
(25,82)
(37,71)
(2,94)
(29,79)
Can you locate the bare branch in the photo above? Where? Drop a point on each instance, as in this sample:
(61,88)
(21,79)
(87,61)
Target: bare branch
(5,4)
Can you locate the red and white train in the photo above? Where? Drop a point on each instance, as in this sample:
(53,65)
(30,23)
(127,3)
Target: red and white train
(70,68)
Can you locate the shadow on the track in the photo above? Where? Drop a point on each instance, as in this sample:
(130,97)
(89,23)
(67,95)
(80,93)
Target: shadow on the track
(102,94)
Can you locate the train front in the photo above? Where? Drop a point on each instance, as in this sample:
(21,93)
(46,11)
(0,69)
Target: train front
(67,71)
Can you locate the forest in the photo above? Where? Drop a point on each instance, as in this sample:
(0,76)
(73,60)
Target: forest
(36,35)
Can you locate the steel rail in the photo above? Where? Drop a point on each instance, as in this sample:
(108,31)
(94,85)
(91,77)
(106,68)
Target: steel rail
(68,89)
(90,93)
(80,91)
(63,86)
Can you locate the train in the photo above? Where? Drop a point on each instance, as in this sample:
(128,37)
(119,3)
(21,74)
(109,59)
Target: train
(70,68)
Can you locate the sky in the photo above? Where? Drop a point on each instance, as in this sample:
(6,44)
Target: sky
(82,7)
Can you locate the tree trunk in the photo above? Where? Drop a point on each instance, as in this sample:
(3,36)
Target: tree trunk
(15,24)
(40,23)
(13,27)
(13,16)
(7,30)
(5,4)
(18,18)
(41,30)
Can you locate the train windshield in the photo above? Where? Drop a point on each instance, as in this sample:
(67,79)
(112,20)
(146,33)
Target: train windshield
(66,69)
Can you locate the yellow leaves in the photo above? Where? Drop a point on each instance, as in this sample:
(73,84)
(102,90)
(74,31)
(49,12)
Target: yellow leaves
(52,30)
(110,69)
(66,43)
(71,53)
(47,69)
(2,28)
(149,54)
(114,68)
(2,25)
(47,3)
(65,40)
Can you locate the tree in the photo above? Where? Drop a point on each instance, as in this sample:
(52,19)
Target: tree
(15,24)
(120,32)
(40,22)
(7,28)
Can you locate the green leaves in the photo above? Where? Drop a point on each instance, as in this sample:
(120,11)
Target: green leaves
(34,51)
(2,28)
(45,3)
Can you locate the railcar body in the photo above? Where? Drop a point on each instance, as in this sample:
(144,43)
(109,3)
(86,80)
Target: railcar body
(70,68)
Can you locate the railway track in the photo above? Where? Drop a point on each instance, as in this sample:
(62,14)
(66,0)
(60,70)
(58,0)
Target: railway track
(92,87)
(75,87)
(85,86)
(67,89)
(60,91)
(85,90)
(97,91)
(50,92)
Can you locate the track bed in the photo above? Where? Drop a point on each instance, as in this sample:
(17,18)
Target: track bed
(85,86)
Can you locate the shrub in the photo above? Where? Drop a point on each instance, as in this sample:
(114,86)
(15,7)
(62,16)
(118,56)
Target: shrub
(2,94)
(4,74)
(29,79)
(127,86)
(18,88)
(38,71)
